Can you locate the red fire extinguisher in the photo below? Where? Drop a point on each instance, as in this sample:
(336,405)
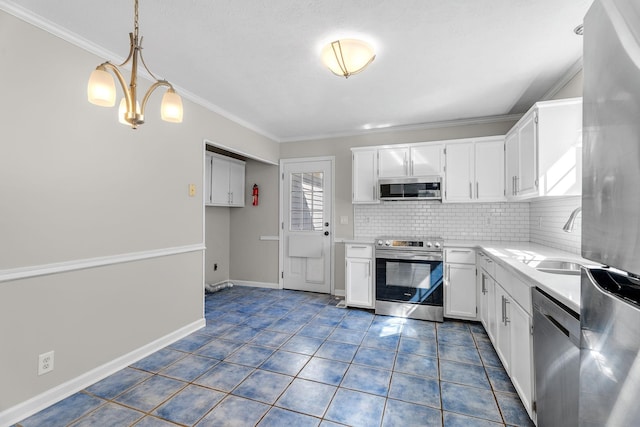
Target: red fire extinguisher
(255,195)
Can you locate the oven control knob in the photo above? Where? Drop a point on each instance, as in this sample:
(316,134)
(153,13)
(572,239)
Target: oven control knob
(437,245)
(387,243)
(379,242)
(429,244)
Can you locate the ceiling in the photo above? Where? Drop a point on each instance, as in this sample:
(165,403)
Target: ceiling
(257,62)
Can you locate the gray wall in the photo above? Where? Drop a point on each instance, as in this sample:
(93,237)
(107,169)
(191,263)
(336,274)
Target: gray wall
(76,185)
(252,259)
(233,234)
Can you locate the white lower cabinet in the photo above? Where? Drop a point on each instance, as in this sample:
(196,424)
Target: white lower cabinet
(359,290)
(504,308)
(503,330)
(460,284)
(486,295)
(514,341)
(521,355)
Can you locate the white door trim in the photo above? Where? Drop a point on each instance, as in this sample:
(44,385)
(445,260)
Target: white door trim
(283,162)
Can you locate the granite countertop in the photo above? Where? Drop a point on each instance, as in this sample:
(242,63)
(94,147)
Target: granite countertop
(514,256)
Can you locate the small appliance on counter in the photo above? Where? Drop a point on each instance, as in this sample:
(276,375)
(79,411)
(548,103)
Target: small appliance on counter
(610,296)
(409,277)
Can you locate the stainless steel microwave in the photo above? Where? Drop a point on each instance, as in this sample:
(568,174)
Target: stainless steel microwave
(411,188)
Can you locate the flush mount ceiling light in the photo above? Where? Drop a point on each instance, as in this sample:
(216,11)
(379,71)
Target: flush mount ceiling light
(347,56)
(101,89)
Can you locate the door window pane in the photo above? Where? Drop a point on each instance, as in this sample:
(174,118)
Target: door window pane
(306,201)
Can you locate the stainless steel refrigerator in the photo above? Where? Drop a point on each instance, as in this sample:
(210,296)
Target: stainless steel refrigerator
(610,300)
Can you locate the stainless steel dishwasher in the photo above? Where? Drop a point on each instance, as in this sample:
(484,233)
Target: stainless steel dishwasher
(556,359)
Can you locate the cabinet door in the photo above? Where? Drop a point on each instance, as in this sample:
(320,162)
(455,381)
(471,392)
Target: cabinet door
(219,181)
(483,303)
(393,162)
(359,283)
(207,178)
(503,335)
(426,160)
(493,314)
(459,172)
(236,184)
(489,168)
(527,155)
(511,164)
(521,354)
(364,180)
(460,291)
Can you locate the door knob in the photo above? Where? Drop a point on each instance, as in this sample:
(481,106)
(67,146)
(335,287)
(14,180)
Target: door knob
(326,233)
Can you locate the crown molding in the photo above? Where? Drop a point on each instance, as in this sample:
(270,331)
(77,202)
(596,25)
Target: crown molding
(407,128)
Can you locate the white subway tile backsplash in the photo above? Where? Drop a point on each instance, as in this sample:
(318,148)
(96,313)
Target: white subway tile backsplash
(477,221)
(547,218)
(539,221)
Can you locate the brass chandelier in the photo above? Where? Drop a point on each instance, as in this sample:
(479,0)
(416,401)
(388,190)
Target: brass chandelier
(101,89)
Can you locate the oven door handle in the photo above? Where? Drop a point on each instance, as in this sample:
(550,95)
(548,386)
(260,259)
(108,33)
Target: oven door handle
(408,256)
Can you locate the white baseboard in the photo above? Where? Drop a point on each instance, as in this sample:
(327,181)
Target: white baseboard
(29,407)
(338,292)
(255,284)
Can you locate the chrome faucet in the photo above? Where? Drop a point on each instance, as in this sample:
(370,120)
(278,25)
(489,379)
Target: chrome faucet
(568,227)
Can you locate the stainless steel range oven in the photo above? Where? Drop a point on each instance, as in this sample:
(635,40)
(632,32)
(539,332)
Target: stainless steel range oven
(409,277)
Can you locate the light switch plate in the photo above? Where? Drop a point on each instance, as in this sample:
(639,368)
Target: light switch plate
(192,190)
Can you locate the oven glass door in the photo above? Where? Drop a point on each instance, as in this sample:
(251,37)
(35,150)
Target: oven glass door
(409,281)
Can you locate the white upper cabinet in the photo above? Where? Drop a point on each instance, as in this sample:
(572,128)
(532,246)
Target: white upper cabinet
(459,172)
(364,176)
(475,170)
(236,184)
(544,151)
(489,168)
(393,162)
(226,176)
(427,160)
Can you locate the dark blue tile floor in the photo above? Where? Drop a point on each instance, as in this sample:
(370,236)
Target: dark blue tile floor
(286,358)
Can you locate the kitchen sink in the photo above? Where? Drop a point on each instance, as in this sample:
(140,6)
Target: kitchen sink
(556,266)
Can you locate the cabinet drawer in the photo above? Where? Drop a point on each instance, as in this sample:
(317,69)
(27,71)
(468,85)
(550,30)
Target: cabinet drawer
(359,251)
(487,264)
(516,288)
(460,255)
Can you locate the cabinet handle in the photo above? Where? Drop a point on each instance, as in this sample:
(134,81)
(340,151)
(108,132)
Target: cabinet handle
(448,273)
(506,318)
(477,190)
(459,251)
(517,184)
(513,185)
(369,269)
(359,247)
(502,307)
(470,191)
(484,287)
(489,261)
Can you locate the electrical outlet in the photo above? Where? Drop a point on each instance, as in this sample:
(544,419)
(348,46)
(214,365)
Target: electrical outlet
(192,190)
(45,362)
